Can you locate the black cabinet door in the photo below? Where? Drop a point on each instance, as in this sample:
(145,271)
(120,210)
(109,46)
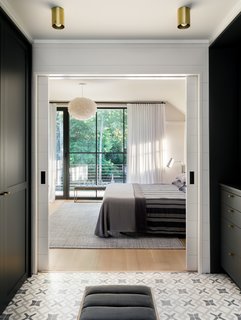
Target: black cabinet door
(1,253)
(14,161)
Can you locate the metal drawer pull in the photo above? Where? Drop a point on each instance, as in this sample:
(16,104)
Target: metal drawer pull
(230,225)
(230,211)
(5,193)
(230,196)
(231,254)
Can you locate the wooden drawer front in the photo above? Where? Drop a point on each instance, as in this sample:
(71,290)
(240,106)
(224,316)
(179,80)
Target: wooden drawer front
(232,265)
(231,199)
(231,214)
(231,237)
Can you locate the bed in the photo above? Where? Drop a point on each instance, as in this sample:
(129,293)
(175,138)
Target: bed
(142,208)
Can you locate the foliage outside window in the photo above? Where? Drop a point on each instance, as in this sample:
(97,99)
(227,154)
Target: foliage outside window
(96,152)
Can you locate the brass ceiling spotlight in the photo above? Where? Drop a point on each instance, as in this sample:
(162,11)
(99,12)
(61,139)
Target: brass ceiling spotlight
(183,18)
(57,18)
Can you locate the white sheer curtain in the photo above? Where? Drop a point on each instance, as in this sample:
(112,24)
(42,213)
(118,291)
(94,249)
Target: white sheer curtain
(52,151)
(146,134)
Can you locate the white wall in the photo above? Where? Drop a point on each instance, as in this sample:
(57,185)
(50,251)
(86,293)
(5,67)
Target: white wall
(42,156)
(194,156)
(150,59)
(175,140)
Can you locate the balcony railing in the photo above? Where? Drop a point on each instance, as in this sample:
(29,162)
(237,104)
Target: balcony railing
(88,174)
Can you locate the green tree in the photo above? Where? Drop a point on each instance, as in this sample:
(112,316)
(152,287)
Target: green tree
(104,134)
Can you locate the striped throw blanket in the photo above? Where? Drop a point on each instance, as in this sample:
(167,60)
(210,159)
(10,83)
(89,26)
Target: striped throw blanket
(165,209)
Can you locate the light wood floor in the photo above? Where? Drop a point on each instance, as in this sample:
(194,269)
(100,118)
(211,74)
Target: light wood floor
(115,259)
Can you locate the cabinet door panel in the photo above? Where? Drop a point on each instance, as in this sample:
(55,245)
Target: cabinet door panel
(1,255)
(14,111)
(231,264)
(231,236)
(14,159)
(231,214)
(231,199)
(15,239)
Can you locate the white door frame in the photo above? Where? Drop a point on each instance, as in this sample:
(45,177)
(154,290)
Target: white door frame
(40,251)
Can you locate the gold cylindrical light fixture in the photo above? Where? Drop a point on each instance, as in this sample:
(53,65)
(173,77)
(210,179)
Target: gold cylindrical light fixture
(183,18)
(57,18)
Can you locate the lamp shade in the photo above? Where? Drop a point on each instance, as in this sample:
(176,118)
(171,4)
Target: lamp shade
(82,108)
(183,18)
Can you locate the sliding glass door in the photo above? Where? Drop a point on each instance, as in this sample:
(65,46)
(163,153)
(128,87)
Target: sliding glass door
(82,155)
(90,154)
(111,146)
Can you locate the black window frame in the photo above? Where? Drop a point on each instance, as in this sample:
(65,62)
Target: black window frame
(66,152)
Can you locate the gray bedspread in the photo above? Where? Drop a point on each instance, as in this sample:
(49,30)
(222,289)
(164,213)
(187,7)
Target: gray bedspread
(149,208)
(117,213)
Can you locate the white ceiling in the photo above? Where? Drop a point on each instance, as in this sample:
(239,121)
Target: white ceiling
(126,19)
(132,20)
(170,90)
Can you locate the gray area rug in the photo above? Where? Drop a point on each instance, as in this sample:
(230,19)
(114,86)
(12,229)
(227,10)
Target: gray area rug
(72,225)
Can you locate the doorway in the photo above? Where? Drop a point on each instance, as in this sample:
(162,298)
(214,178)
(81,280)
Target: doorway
(193,217)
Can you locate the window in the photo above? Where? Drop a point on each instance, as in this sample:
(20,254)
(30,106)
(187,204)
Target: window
(91,152)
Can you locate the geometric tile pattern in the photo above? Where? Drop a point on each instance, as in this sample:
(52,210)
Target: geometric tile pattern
(178,296)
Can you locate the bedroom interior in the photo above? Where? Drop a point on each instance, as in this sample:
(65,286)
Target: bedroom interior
(77,234)
(191,259)
(94,43)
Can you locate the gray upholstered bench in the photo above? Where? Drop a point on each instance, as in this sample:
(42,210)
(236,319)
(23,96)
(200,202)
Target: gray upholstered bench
(118,302)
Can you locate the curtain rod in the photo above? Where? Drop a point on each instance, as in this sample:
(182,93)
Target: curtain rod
(112,102)
(132,102)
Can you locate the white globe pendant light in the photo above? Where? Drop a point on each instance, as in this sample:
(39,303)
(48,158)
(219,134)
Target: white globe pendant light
(82,108)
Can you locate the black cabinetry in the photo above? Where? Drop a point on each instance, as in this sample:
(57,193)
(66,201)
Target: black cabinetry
(224,125)
(231,231)
(15,77)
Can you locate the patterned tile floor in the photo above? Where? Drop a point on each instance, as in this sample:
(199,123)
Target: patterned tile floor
(178,296)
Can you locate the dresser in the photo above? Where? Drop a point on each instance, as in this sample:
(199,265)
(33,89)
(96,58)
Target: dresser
(231,231)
